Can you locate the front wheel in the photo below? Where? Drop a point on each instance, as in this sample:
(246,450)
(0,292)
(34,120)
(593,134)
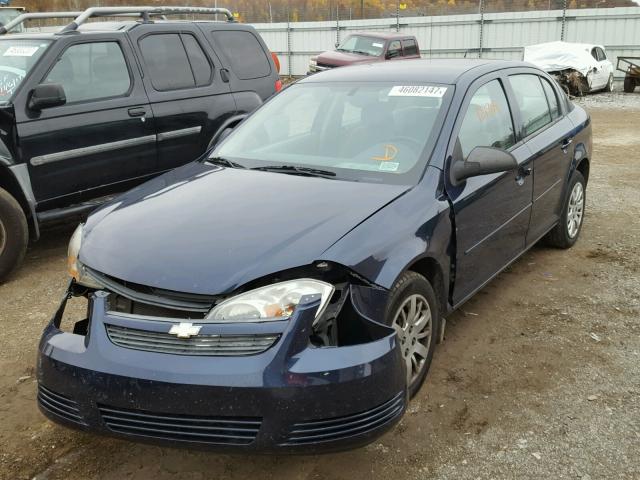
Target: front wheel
(413,312)
(566,232)
(14,234)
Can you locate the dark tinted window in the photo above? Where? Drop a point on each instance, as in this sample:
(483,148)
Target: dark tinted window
(487,122)
(198,59)
(167,62)
(90,71)
(394,50)
(554,106)
(410,47)
(244,53)
(601,55)
(532,101)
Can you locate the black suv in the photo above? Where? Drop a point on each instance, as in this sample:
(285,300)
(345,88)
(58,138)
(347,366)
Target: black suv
(96,108)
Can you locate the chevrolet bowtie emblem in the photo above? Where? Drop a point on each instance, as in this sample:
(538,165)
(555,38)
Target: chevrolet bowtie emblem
(185,330)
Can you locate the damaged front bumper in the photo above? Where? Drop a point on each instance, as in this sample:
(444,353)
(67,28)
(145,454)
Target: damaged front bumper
(124,375)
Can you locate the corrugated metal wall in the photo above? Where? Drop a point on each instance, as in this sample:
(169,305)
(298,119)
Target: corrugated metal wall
(503,34)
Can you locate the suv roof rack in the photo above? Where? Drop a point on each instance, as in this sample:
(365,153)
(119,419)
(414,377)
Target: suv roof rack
(144,12)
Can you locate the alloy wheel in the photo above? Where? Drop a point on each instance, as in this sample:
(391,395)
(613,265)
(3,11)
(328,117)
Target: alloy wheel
(413,325)
(576,210)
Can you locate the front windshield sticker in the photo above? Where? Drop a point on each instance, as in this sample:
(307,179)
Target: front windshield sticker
(379,45)
(390,152)
(19,51)
(389,166)
(418,91)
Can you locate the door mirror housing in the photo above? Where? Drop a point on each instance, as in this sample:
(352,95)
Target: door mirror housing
(482,161)
(47,95)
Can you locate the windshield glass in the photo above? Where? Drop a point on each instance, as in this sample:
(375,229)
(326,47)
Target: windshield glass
(17,58)
(363,132)
(362,45)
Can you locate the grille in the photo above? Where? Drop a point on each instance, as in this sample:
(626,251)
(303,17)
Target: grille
(212,345)
(344,427)
(59,405)
(182,428)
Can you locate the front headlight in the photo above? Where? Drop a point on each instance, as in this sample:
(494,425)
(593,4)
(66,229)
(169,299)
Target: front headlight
(74,266)
(271,303)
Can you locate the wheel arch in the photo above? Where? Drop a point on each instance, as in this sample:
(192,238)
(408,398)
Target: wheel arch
(10,181)
(432,270)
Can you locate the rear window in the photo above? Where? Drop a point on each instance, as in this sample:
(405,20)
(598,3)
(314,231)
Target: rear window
(244,53)
(410,47)
(175,61)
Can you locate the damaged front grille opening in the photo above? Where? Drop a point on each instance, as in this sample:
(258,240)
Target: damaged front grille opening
(75,312)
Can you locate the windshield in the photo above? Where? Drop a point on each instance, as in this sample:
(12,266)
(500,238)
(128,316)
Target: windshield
(17,58)
(362,45)
(362,132)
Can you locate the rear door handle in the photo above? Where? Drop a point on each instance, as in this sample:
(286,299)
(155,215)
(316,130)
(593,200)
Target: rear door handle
(137,112)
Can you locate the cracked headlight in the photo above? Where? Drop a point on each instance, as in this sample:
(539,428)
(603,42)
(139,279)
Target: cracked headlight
(74,266)
(273,302)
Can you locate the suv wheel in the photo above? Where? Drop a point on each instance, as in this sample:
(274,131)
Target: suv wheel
(566,232)
(14,234)
(413,312)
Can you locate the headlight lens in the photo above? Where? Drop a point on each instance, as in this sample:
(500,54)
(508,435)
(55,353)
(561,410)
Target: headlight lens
(74,266)
(271,303)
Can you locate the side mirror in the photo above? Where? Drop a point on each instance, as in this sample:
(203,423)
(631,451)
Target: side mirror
(47,95)
(483,161)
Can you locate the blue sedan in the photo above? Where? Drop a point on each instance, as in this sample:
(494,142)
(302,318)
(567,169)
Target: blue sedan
(286,292)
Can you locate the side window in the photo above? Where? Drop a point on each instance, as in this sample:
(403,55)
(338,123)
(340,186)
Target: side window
(410,47)
(534,109)
(594,53)
(91,71)
(243,52)
(487,122)
(601,55)
(175,61)
(394,50)
(552,98)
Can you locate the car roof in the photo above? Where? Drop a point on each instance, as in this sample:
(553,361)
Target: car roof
(442,71)
(383,35)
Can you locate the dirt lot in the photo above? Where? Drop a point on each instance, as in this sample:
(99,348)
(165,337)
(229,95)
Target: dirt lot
(539,376)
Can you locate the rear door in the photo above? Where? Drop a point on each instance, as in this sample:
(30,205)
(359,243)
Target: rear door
(189,97)
(491,211)
(547,133)
(104,135)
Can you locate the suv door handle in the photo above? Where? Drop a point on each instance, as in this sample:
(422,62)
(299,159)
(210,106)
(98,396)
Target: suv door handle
(224,74)
(137,112)
(565,144)
(525,171)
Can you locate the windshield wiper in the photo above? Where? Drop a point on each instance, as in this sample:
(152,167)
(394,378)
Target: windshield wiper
(292,169)
(225,162)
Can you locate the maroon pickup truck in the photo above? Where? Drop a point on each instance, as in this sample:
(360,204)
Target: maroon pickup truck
(366,48)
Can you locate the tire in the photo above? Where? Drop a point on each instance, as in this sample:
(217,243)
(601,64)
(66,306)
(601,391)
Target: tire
(629,84)
(564,234)
(609,87)
(14,234)
(413,286)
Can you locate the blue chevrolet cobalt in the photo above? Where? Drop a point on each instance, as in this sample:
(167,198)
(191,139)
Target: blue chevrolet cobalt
(285,293)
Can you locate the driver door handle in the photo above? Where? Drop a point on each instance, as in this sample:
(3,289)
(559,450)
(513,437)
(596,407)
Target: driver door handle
(565,144)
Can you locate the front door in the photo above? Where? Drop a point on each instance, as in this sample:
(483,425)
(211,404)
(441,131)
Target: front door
(103,135)
(491,211)
(189,94)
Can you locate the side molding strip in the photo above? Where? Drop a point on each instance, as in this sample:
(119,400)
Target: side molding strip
(81,152)
(178,133)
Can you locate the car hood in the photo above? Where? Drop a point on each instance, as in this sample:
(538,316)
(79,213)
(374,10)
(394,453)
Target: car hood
(339,59)
(206,229)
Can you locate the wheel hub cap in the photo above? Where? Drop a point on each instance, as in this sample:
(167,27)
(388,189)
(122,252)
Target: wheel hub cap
(575,210)
(412,323)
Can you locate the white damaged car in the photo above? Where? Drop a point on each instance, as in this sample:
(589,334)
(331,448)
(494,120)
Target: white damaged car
(579,67)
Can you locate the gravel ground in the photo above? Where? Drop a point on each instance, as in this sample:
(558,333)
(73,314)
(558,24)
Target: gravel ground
(539,375)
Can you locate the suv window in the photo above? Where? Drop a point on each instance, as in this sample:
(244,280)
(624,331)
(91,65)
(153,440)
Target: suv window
(175,61)
(244,52)
(534,109)
(91,71)
(552,98)
(487,122)
(410,47)
(394,50)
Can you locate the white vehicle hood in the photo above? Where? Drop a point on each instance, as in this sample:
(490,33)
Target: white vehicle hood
(554,56)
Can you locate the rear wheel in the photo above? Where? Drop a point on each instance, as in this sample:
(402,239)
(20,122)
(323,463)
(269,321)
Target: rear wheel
(609,87)
(629,84)
(14,234)
(413,312)
(566,232)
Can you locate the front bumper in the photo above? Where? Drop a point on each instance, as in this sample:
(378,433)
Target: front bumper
(293,397)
